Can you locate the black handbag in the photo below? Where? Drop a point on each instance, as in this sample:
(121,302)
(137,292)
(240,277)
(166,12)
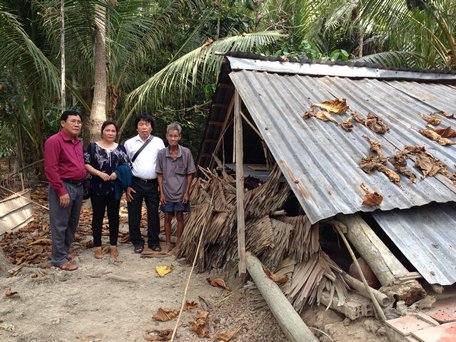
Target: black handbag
(86,186)
(88,179)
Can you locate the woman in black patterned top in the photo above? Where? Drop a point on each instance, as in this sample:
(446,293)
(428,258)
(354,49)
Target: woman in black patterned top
(102,158)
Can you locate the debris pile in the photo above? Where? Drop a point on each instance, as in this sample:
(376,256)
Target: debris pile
(287,245)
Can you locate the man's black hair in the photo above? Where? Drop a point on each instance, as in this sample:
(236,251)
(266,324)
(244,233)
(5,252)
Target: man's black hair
(144,117)
(68,113)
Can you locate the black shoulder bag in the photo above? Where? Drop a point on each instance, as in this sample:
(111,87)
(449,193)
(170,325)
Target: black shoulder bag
(141,148)
(88,179)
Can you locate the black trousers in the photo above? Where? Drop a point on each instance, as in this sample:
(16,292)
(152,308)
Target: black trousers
(99,204)
(149,193)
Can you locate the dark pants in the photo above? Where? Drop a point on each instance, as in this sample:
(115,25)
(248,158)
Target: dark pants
(64,222)
(99,204)
(149,193)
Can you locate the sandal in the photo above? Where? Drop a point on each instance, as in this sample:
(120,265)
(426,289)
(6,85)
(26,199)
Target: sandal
(68,266)
(156,248)
(139,249)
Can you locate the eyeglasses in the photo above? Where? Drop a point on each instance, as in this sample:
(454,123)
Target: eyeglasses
(75,122)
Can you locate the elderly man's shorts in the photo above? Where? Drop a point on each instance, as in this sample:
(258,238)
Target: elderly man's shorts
(172,207)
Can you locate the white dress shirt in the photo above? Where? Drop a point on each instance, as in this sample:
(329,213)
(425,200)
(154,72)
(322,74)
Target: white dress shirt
(145,162)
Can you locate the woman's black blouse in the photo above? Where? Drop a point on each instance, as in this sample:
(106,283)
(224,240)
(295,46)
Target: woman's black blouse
(106,161)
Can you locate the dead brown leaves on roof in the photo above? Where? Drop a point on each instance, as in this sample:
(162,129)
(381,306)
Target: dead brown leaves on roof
(371,198)
(433,120)
(323,111)
(337,106)
(433,135)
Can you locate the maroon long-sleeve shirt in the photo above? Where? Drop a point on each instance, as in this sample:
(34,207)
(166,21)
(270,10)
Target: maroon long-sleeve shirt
(63,158)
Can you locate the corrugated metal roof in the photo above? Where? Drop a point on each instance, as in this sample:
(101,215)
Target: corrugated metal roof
(434,255)
(320,160)
(346,69)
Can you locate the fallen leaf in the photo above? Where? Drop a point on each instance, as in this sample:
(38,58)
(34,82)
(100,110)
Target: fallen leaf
(158,335)
(226,336)
(200,325)
(325,116)
(189,306)
(217,282)
(433,120)
(163,270)
(445,132)
(163,315)
(371,198)
(346,124)
(431,134)
(9,292)
(375,146)
(336,106)
(445,114)
(375,124)
(279,279)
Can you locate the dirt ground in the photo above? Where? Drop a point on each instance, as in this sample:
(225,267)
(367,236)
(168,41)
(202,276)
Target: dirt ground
(115,301)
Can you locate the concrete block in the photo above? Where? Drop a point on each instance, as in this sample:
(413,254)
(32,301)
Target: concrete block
(442,333)
(407,324)
(443,311)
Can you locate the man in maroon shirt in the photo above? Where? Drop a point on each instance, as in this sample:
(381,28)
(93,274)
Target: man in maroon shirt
(64,168)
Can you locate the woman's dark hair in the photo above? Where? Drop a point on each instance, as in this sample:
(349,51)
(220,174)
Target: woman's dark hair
(144,117)
(107,123)
(68,113)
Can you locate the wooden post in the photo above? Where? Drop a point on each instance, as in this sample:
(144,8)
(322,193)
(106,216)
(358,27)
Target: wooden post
(291,323)
(239,183)
(383,263)
(380,259)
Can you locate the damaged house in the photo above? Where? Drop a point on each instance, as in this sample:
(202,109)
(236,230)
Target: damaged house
(360,152)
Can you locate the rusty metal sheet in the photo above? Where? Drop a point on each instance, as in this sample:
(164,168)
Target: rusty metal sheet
(427,238)
(320,160)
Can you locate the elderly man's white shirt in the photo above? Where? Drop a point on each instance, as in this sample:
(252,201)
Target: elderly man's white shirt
(145,162)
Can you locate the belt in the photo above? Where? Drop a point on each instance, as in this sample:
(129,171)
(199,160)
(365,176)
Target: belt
(142,180)
(73,181)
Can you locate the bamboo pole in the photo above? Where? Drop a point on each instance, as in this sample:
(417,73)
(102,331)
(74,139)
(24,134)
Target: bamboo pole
(290,322)
(358,285)
(377,307)
(239,183)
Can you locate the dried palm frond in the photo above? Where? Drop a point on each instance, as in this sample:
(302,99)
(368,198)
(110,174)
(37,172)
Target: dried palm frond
(281,238)
(268,197)
(310,278)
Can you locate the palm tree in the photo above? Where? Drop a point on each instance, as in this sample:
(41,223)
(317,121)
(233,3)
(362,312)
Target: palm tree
(30,77)
(386,32)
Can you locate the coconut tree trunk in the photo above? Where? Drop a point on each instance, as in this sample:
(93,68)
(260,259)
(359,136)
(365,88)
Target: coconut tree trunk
(62,56)
(98,110)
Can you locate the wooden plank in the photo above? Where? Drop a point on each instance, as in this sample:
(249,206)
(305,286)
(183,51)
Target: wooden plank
(222,133)
(15,211)
(291,323)
(239,184)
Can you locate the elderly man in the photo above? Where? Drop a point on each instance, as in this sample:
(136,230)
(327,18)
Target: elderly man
(64,168)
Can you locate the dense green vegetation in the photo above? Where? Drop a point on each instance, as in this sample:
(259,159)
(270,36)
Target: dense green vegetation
(163,57)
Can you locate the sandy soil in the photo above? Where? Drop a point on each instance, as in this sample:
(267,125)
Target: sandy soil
(115,301)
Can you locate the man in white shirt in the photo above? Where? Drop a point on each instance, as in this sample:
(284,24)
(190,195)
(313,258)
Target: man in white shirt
(144,184)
